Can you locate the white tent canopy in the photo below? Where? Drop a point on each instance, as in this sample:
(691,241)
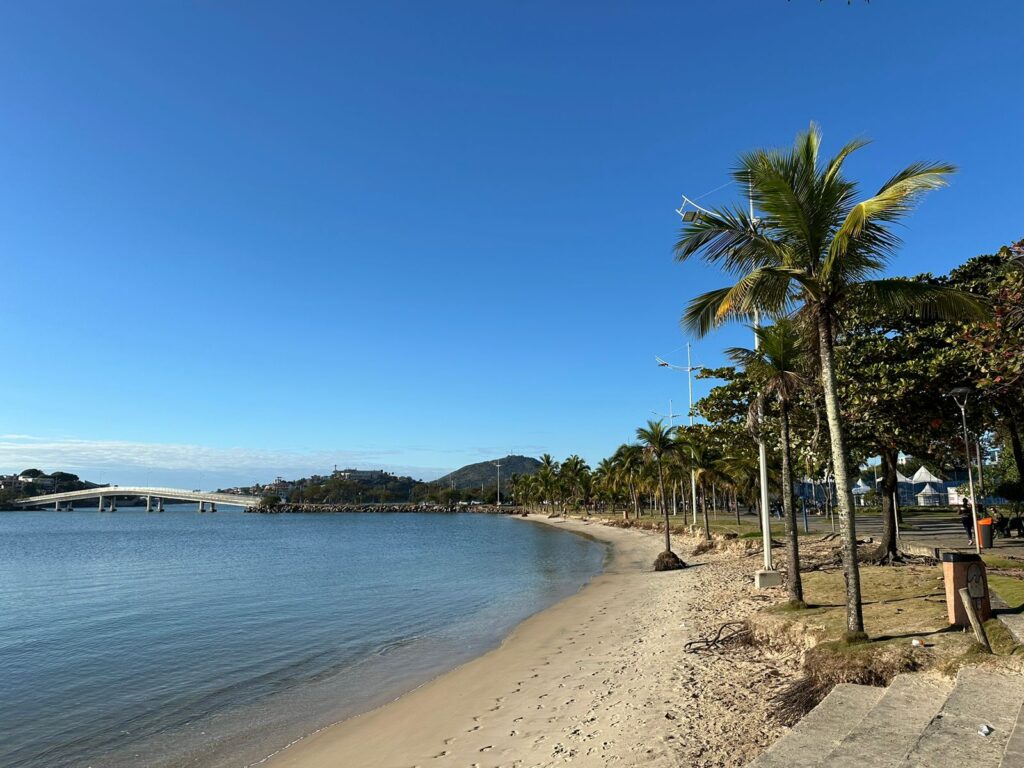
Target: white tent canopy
(929,496)
(924,476)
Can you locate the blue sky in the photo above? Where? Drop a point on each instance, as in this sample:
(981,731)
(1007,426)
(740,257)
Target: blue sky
(244,238)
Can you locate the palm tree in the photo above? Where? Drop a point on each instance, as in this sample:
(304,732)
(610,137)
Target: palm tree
(741,473)
(575,477)
(547,478)
(604,482)
(706,469)
(657,442)
(812,252)
(774,367)
(629,460)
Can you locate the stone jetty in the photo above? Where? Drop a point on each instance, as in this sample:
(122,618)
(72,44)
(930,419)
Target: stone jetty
(285,508)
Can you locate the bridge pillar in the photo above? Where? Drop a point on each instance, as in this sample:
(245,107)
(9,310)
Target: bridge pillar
(56,506)
(149,503)
(100,507)
(159,505)
(213,507)
(202,506)
(113,503)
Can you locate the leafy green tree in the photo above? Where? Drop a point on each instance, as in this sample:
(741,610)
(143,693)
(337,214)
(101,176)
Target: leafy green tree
(811,251)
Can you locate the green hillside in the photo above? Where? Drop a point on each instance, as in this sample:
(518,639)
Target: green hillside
(472,476)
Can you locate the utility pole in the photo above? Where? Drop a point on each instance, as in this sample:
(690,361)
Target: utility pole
(498,465)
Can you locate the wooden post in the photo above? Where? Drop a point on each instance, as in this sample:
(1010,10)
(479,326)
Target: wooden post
(979,629)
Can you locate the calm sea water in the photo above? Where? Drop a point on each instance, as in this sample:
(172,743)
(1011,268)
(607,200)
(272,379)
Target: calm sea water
(180,639)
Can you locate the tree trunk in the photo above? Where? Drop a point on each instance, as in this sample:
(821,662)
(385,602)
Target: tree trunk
(736,506)
(1013,427)
(796,587)
(847,523)
(887,551)
(704,508)
(664,507)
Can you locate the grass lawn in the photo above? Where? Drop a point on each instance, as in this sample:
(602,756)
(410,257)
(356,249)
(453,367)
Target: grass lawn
(898,602)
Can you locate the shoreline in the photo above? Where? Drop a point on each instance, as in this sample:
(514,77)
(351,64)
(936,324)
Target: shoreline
(503,708)
(599,678)
(402,732)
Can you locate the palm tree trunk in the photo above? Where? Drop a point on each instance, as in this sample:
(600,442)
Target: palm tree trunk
(736,507)
(707,526)
(847,524)
(664,507)
(796,587)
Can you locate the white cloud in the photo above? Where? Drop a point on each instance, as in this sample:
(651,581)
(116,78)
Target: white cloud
(123,462)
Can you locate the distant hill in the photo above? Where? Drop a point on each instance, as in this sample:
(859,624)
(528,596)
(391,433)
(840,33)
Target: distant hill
(471,476)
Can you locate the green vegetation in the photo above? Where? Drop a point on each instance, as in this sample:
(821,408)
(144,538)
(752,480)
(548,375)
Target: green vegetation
(485,474)
(810,255)
(848,366)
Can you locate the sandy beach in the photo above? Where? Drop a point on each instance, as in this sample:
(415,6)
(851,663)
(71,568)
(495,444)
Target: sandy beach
(599,679)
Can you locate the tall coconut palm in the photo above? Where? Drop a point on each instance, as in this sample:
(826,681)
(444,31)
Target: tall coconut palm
(706,469)
(547,479)
(812,250)
(629,459)
(775,368)
(575,476)
(741,474)
(604,482)
(657,442)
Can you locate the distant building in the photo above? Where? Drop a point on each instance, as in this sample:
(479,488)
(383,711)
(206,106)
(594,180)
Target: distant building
(360,475)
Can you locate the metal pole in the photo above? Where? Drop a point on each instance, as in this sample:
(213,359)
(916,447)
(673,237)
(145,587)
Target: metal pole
(762,457)
(693,455)
(498,465)
(970,477)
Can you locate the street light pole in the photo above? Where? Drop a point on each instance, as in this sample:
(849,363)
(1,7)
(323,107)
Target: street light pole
(762,458)
(498,465)
(689,368)
(960,395)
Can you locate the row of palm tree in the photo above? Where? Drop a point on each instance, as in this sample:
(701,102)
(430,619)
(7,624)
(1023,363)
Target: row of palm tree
(641,476)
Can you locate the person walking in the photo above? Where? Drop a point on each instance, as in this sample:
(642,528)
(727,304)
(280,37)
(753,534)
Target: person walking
(966,520)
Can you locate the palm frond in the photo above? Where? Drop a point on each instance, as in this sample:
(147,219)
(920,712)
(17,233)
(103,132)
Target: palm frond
(896,198)
(915,298)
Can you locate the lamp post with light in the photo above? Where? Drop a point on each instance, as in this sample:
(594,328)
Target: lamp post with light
(689,368)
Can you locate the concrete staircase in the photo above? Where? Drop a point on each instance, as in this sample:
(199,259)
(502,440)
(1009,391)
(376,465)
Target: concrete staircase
(919,721)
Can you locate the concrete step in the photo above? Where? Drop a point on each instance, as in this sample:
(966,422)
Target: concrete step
(821,729)
(979,697)
(887,734)
(1013,755)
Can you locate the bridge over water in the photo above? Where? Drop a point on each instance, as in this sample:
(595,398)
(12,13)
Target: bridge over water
(155,497)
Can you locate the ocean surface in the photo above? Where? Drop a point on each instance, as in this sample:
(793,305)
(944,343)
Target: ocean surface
(180,639)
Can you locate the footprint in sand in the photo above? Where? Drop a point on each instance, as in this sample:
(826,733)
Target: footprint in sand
(488,748)
(442,753)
